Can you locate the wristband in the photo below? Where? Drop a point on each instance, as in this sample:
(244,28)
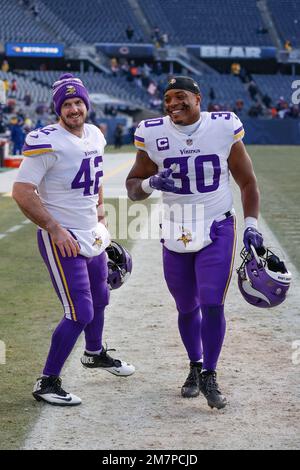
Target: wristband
(146,186)
(250,222)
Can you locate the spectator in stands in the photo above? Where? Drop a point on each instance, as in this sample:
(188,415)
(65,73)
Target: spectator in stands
(239,108)
(35,10)
(2,95)
(288,45)
(5,66)
(281,104)
(21,115)
(110,110)
(6,86)
(158,69)
(262,30)
(255,110)
(28,126)
(294,112)
(147,70)
(93,117)
(267,101)
(27,98)
(3,125)
(118,136)
(274,112)
(156,37)
(133,71)
(103,128)
(253,90)
(283,110)
(114,111)
(164,39)
(211,94)
(114,66)
(245,76)
(17,137)
(152,88)
(132,130)
(124,66)
(129,32)
(39,124)
(235,68)
(156,102)
(13,88)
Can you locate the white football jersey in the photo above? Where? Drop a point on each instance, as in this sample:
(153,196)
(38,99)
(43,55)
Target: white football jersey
(200,172)
(67,171)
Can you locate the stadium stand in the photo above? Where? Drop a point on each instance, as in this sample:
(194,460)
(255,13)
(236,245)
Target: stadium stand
(106,21)
(275,86)
(19,24)
(79,26)
(287,22)
(39,93)
(97,21)
(96,82)
(207,22)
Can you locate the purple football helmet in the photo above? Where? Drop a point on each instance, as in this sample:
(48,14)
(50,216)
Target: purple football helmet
(119,265)
(263,278)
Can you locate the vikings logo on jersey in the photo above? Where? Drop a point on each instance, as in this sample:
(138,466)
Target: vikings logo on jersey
(97,240)
(186,236)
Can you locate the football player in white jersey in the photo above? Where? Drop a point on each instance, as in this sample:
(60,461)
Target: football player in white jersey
(188,155)
(59,187)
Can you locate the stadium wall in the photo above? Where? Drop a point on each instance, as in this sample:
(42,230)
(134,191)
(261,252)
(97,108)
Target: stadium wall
(273,132)
(258,131)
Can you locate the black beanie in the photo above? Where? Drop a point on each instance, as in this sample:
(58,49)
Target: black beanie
(183,83)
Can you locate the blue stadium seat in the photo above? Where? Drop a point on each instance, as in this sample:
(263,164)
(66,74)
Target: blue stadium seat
(207,22)
(286,16)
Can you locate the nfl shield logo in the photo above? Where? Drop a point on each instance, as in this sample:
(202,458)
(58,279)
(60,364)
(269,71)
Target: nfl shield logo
(189,142)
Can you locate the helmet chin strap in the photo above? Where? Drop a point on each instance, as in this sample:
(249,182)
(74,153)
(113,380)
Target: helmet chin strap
(257,258)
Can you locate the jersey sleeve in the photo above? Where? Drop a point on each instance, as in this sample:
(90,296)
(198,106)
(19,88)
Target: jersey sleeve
(139,137)
(37,143)
(238,128)
(33,170)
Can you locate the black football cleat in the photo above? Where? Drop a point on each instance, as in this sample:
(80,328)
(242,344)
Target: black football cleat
(49,389)
(210,389)
(106,362)
(191,387)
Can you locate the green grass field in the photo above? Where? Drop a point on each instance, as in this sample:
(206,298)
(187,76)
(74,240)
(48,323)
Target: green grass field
(278,171)
(29,309)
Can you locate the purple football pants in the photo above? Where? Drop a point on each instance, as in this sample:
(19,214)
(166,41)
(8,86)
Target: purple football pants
(198,283)
(81,286)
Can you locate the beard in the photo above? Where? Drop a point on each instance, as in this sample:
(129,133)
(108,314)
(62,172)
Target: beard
(68,122)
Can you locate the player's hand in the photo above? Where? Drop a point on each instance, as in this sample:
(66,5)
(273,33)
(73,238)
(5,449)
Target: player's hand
(162,181)
(252,237)
(66,244)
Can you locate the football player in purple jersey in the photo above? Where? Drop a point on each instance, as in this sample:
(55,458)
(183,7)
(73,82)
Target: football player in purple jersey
(58,187)
(188,155)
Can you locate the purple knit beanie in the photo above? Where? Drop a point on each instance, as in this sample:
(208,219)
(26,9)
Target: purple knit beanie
(67,87)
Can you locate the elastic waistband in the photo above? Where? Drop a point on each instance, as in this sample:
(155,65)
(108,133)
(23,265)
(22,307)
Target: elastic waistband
(227,214)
